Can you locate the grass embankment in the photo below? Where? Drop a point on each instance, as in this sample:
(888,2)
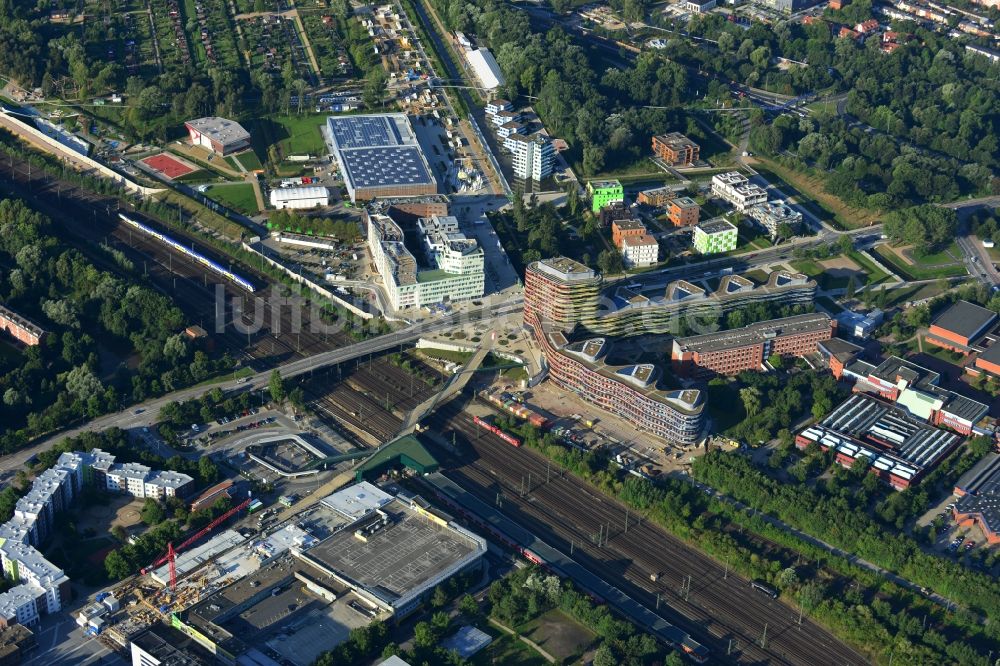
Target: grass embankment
(809,193)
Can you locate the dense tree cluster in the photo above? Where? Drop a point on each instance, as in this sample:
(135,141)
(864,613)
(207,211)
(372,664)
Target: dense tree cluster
(831,515)
(773,401)
(924,227)
(935,95)
(75,374)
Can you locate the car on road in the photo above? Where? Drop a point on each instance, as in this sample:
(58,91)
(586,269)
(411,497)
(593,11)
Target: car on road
(970,545)
(195,428)
(139,411)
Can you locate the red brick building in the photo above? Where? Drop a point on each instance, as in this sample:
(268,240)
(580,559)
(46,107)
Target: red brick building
(675,149)
(620,229)
(960,325)
(22,329)
(683,212)
(731,352)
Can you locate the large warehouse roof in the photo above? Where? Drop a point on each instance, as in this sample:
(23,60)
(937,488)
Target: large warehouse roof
(485,66)
(377,151)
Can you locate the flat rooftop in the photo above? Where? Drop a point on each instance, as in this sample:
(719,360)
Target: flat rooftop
(398,562)
(566,268)
(378,150)
(755,333)
(223,130)
(715,226)
(357,501)
(964,319)
(386,165)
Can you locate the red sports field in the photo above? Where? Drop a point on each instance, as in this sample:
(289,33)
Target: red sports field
(169,166)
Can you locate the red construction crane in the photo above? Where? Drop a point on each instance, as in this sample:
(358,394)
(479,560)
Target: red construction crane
(171,554)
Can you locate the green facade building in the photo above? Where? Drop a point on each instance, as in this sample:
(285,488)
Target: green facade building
(715,236)
(603,192)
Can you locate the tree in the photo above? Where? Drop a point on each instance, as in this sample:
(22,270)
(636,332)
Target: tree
(610,262)
(276,386)
(152,513)
(787,578)
(469,607)
(439,598)
(207,470)
(849,290)
(604,656)
(118,532)
(750,396)
(116,566)
(82,384)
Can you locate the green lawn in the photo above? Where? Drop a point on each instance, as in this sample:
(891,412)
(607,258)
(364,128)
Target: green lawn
(508,650)
(231,161)
(757,275)
(227,376)
(949,255)
(917,271)
(198,176)
(295,135)
(249,160)
(239,197)
(874,273)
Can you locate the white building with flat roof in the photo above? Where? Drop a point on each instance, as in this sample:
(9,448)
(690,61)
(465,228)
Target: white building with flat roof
(300,197)
(735,188)
(640,250)
(533,157)
(455,263)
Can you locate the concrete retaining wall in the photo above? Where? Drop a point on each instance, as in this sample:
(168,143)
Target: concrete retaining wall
(83,163)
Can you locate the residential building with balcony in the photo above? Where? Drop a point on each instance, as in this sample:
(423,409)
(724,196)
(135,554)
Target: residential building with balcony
(715,236)
(604,192)
(738,190)
(676,149)
(640,251)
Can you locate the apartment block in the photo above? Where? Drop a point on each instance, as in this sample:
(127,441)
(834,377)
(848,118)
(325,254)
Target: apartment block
(640,250)
(658,197)
(568,294)
(620,229)
(533,156)
(729,353)
(738,190)
(20,328)
(614,212)
(683,212)
(715,236)
(675,149)
(773,214)
(496,106)
(604,192)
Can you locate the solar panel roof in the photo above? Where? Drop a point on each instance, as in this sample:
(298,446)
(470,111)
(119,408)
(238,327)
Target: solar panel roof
(388,165)
(365,131)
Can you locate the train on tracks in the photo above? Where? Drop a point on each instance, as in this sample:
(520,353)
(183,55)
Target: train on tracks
(200,258)
(507,403)
(512,535)
(510,439)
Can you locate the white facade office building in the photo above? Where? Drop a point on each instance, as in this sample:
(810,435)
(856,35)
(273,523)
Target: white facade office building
(455,263)
(738,190)
(534,156)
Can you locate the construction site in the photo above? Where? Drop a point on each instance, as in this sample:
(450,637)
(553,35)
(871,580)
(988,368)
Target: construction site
(291,592)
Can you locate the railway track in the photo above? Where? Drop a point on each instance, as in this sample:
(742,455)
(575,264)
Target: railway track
(716,607)
(88,217)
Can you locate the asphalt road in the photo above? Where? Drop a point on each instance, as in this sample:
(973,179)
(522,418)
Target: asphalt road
(148,411)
